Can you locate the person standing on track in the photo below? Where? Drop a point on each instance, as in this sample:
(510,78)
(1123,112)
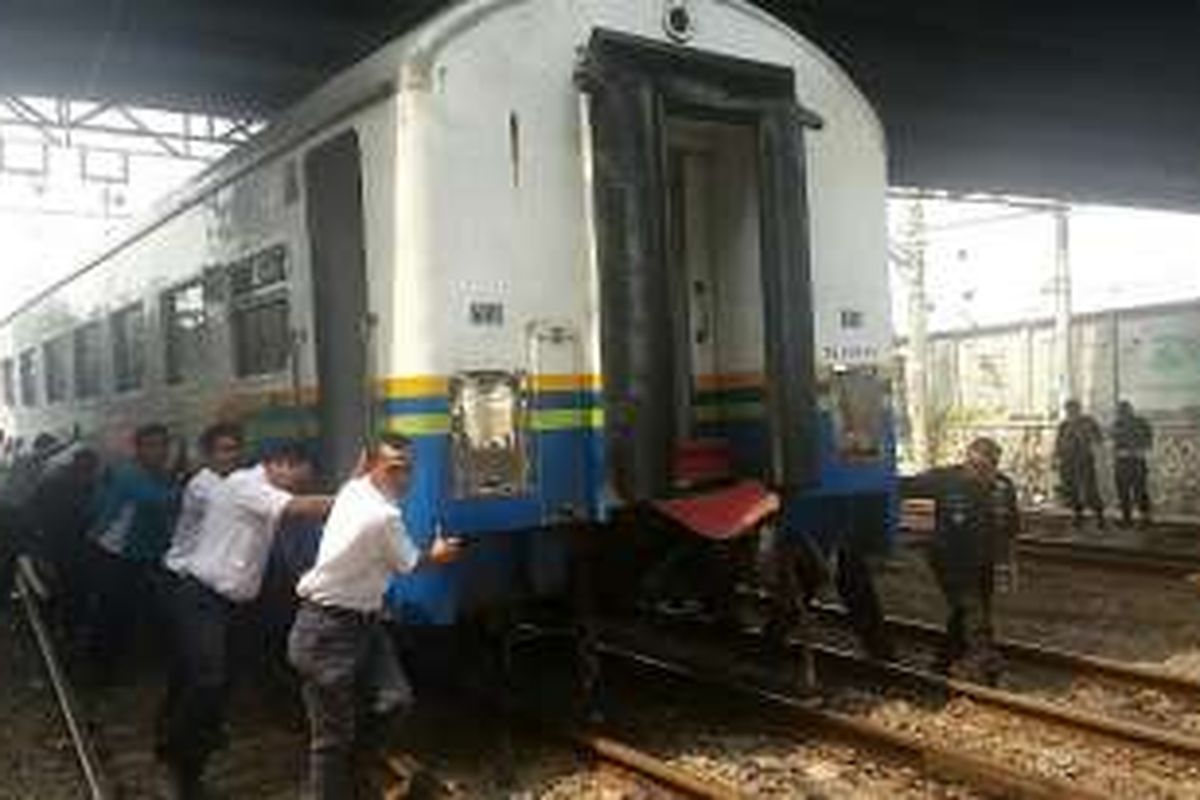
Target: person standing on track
(337,643)
(133,511)
(222,571)
(1132,439)
(975,519)
(221,447)
(1074,450)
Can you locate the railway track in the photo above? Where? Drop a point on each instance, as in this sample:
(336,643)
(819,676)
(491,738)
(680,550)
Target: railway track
(99,782)
(110,729)
(1122,731)
(1170,757)
(1178,561)
(1042,655)
(109,778)
(118,766)
(650,770)
(797,718)
(1122,559)
(605,752)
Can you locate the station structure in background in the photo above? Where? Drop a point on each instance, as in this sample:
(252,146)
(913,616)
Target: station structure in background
(72,172)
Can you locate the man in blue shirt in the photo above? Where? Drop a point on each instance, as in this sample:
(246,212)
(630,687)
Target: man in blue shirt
(133,514)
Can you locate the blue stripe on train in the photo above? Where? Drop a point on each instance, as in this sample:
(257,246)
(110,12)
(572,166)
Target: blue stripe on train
(566,469)
(540,401)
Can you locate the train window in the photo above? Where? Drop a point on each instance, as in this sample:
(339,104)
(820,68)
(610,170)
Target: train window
(88,359)
(241,276)
(261,270)
(261,336)
(185,321)
(860,404)
(487,431)
(55,355)
(270,266)
(9,380)
(27,367)
(129,347)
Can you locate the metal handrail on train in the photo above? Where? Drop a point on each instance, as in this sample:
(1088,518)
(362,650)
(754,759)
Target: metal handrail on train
(29,587)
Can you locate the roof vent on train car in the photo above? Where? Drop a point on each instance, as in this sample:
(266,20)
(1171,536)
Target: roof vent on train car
(678,22)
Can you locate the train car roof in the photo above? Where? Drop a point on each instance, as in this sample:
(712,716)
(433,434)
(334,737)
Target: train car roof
(404,62)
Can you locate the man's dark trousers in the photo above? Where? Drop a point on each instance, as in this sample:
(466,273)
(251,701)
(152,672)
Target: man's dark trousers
(196,699)
(1131,486)
(348,668)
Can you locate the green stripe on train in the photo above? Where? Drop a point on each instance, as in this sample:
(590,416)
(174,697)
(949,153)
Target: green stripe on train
(733,412)
(540,421)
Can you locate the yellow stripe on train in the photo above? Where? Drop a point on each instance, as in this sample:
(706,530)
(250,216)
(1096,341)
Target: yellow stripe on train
(415,387)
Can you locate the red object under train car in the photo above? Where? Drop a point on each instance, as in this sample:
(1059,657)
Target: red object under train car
(724,513)
(720,512)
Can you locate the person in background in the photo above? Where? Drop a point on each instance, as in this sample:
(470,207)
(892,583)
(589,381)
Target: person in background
(16,514)
(62,507)
(1132,440)
(1074,450)
(221,448)
(337,643)
(133,512)
(975,519)
(220,573)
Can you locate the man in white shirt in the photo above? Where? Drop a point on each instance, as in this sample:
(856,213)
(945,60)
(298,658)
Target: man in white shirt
(337,638)
(221,446)
(224,569)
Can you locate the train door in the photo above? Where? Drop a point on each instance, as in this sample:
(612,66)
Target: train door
(714,271)
(700,219)
(333,189)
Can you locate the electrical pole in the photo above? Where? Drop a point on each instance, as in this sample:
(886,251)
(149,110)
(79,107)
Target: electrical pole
(918,310)
(1064,367)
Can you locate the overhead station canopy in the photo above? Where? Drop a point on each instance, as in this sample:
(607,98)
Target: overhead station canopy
(1091,100)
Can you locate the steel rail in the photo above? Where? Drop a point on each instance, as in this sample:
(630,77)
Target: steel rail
(1056,713)
(1122,559)
(990,777)
(1028,651)
(611,751)
(100,786)
(607,750)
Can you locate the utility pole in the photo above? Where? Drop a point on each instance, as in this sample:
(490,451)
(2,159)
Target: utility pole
(1064,366)
(918,310)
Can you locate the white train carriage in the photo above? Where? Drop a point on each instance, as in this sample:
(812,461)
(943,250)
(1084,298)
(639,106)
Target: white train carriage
(549,239)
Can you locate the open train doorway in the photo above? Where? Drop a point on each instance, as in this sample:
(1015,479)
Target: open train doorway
(715,286)
(700,218)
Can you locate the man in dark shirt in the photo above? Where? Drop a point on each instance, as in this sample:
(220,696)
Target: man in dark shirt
(1132,439)
(1074,450)
(17,525)
(975,517)
(61,508)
